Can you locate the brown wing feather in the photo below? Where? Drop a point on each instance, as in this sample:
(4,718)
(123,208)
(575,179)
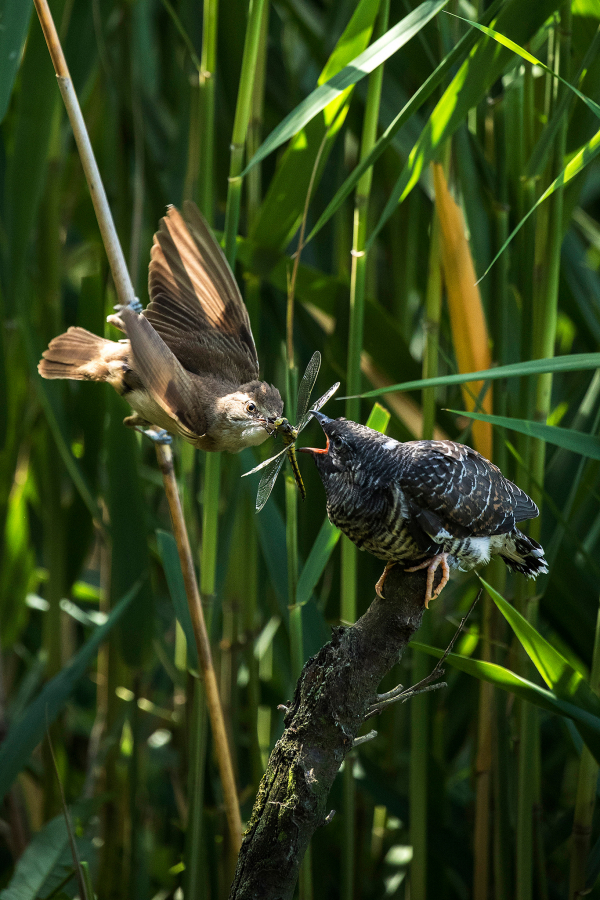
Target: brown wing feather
(195,304)
(163,375)
(463,491)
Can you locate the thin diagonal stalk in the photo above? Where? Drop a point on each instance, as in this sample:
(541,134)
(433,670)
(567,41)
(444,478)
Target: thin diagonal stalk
(585,799)
(165,459)
(199,179)
(254,33)
(240,127)
(291,496)
(114,252)
(353,378)
(252,298)
(419,710)
(125,294)
(545,305)
(207,87)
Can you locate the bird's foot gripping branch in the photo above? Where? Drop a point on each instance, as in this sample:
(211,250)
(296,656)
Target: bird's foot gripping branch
(333,697)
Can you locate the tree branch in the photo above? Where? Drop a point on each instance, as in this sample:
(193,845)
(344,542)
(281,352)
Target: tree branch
(332,698)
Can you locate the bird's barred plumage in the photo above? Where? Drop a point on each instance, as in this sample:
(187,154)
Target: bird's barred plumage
(409,502)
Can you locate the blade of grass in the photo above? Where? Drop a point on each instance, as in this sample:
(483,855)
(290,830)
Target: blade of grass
(467,88)
(167,550)
(585,799)
(526,55)
(587,723)
(461,49)
(576,362)
(15,24)
(557,672)
(304,159)
(360,67)
(575,441)
(579,160)
(24,735)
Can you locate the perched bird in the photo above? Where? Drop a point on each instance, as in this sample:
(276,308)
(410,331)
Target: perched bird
(425,503)
(189,365)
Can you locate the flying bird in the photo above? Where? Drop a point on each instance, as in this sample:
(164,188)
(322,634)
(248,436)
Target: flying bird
(189,364)
(423,503)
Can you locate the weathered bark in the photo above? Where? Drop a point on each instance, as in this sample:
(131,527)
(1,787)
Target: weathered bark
(332,698)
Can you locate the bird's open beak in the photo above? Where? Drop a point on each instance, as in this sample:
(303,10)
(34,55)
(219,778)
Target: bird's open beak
(323,420)
(315,449)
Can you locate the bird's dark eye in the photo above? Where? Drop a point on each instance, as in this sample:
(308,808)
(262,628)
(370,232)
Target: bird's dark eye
(250,407)
(338,443)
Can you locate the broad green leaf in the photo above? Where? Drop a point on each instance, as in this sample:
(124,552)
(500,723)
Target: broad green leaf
(283,206)
(487,61)
(576,441)
(167,549)
(576,362)
(318,558)
(520,51)
(557,672)
(14,21)
(48,397)
(18,563)
(130,559)
(379,419)
(577,163)
(416,101)
(271,536)
(361,66)
(43,854)
(587,723)
(34,110)
(25,734)
(586,8)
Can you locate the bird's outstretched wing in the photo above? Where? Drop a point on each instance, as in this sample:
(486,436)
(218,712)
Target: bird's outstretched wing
(450,486)
(195,304)
(161,373)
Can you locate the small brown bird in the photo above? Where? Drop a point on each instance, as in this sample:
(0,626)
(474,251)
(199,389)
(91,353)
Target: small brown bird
(189,365)
(426,503)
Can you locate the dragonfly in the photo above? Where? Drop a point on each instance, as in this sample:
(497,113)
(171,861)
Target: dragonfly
(289,433)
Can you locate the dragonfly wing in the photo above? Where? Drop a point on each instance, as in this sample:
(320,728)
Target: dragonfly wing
(307,384)
(267,481)
(265,463)
(317,406)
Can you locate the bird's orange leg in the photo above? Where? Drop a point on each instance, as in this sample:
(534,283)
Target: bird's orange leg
(432,565)
(379,585)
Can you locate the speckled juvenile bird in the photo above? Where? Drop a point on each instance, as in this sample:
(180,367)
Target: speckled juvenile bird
(189,365)
(426,503)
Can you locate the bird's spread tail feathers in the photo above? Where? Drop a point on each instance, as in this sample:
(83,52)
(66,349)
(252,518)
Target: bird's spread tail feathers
(82,356)
(523,554)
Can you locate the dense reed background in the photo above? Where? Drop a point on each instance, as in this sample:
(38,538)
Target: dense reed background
(468,792)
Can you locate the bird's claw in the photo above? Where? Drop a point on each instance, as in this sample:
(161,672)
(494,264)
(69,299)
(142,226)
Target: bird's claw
(135,306)
(158,435)
(431,565)
(116,320)
(380,583)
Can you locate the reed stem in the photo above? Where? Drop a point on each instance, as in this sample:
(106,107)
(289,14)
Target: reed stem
(240,127)
(165,458)
(585,799)
(125,294)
